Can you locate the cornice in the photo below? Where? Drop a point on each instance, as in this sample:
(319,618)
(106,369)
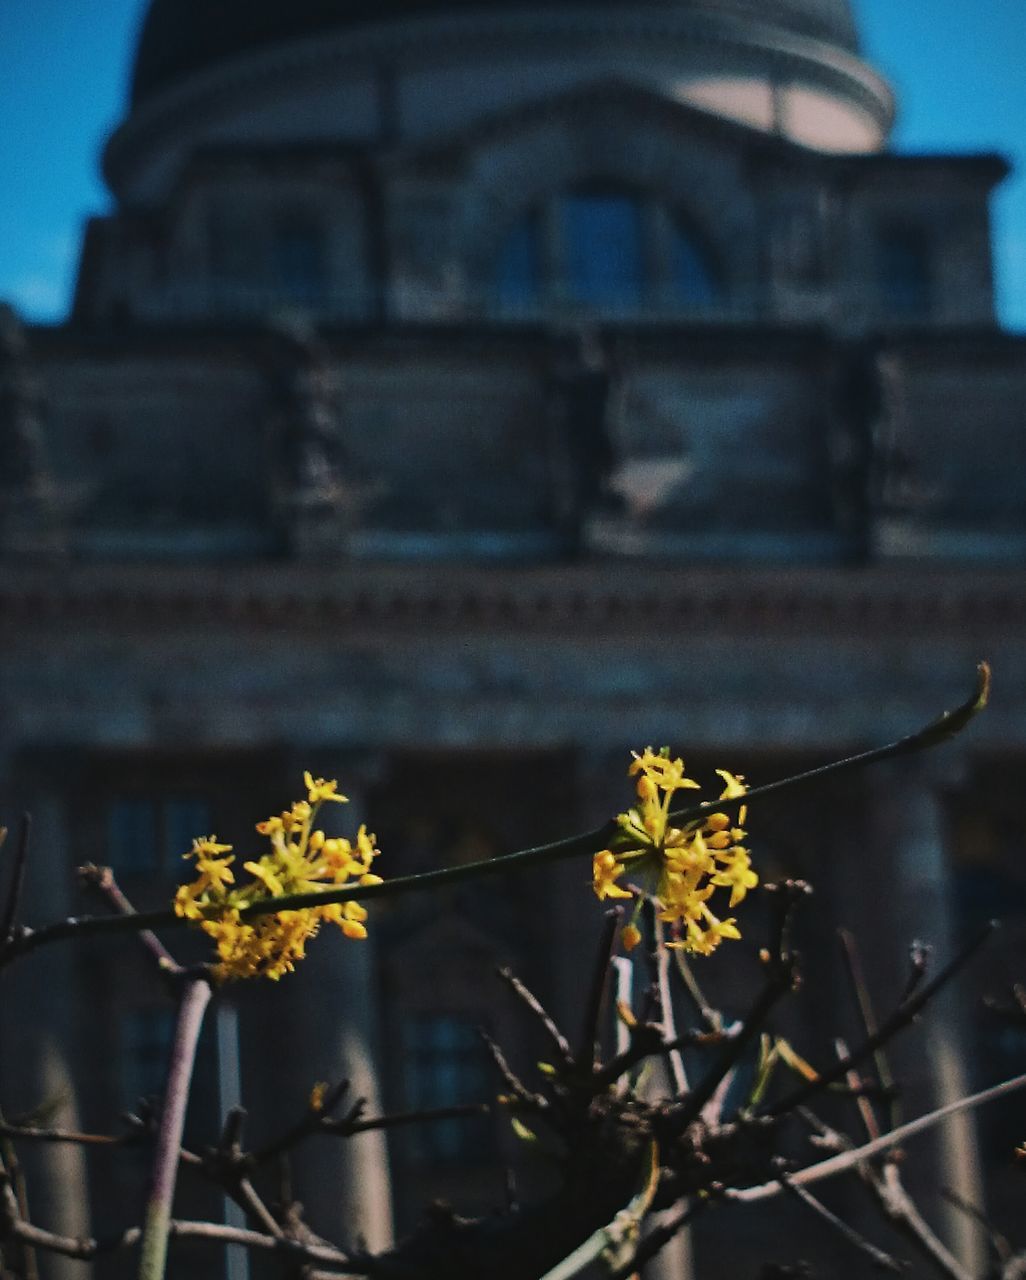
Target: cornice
(443,39)
(599,600)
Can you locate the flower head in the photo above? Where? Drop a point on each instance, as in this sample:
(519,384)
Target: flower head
(301,859)
(680,868)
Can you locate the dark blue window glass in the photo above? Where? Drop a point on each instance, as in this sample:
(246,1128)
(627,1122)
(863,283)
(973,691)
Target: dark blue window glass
(185,819)
(147,834)
(145,1051)
(445,1064)
(299,261)
(133,839)
(518,274)
(602,249)
(696,280)
(904,271)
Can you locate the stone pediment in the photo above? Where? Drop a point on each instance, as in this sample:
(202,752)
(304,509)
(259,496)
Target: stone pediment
(614,99)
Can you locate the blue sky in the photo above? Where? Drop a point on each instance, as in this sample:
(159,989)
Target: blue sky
(957,66)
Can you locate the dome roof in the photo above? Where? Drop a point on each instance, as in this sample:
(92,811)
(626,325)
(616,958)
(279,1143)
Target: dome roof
(183,36)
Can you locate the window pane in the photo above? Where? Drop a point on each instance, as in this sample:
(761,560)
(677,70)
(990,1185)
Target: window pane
(602,247)
(185,818)
(299,261)
(231,243)
(518,272)
(444,1065)
(132,844)
(694,275)
(145,1051)
(903,271)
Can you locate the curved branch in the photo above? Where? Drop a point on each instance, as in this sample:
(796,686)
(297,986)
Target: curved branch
(585,844)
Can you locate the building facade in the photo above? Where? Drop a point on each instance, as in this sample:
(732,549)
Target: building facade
(457,396)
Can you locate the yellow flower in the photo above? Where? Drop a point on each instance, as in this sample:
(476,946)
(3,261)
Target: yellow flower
(737,875)
(319,790)
(680,868)
(605,870)
(630,937)
(301,860)
(207,847)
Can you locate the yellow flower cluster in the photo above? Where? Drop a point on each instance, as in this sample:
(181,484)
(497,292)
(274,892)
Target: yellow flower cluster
(679,867)
(301,860)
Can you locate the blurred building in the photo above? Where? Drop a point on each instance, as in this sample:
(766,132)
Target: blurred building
(457,395)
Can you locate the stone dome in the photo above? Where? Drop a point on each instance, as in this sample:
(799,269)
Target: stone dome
(180,37)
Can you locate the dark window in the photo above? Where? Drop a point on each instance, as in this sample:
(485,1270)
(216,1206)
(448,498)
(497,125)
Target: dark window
(231,244)
(904,273)
(299,261)
(695,276)
(591,248)
(148,834)
(145,1050)
(445,1065)
(602,249)
(518,273)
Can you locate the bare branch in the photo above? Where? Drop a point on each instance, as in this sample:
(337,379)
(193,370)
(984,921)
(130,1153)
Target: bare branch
(9,920)
(512,1081)
(901,1017)
(879,1258)
(559,1041)
(850,1159)
(786,897)
(102,880)
(597,991)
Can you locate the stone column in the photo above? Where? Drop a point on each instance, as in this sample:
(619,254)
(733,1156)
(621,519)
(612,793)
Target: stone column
(37,1030)
(344,1183)
(913,899)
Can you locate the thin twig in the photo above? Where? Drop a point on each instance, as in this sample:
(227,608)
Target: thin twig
(195,998)
(513,1083)
(646,1041)
(245,1196)
(308,1125)
(864,1004)
(878,1256)
(865,1107)
(597,991)
(780,981)
(901,1017)
(85,1248)
(662,968)
(102,880)
(67,1135)
(1000,1247)
(559,1041)
(10,1167)
(901,1209)
(9,924)
(624,970)
(459,1112)
(710,1016)
(614,1236)
(672,1223)
(898,1206)
(850,1159)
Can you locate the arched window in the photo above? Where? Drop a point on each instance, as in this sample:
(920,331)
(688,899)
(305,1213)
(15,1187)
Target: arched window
(603,248)
(299,260)
(603,261)
(696,277)
(904,270)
